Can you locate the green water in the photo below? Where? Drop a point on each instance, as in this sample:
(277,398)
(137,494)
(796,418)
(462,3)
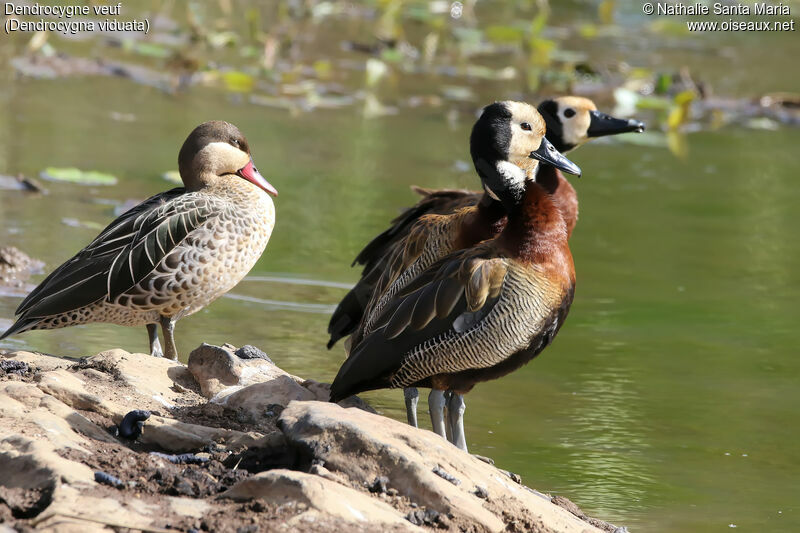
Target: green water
(668,401)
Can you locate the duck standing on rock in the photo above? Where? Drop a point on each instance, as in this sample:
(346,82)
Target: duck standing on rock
(171,255)
(391,258)
(571,122)
(486,309)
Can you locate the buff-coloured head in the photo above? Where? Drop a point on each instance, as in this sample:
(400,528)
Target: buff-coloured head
(574,120)
(216,150)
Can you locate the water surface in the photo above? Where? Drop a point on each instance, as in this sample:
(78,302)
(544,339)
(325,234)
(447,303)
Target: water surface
(668,400)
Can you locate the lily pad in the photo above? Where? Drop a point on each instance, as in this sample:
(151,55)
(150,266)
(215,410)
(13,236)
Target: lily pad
(237,81)
(77,176)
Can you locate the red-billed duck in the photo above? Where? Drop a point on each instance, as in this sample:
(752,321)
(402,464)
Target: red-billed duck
(171,255)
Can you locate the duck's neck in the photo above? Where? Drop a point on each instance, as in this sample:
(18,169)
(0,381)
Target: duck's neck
(483,222)
(535,231)
(562,193)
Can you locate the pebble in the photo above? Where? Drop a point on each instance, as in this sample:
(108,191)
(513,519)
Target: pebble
(108,479)
(251,352)
(379,485)
(183,458)
(12,366)
(444,475)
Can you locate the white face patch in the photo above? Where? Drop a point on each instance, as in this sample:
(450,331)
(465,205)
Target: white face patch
(511,173)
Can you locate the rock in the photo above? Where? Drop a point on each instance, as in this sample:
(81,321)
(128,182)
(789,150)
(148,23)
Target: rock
(320,494)
(152,377)
(249,351)
(180,437)
(363,446)
(367,472)
(254,400)
(68,388)
(26,409)
(73,510)
(217,367)
(188,506)
(322,391)
(33,464)
(36,360)
(254,383)
(11,366)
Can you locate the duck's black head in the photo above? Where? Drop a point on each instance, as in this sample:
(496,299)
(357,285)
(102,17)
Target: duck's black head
(573,120)
(214,149)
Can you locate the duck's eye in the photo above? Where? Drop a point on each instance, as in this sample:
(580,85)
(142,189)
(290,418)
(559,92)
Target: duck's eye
(525,126)
(569,112)
(235,142)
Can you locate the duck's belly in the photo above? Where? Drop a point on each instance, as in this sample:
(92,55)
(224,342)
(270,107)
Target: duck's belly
(210,262)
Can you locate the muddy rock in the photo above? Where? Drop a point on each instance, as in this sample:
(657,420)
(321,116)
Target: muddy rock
(257,400)
(162,380)
(217,369)
(33,464)
(248,381)
(363,446)
(318,493)
(266,455)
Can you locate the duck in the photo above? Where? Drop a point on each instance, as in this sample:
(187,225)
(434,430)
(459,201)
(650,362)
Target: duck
(507,144)
(508,138)
(475,315)
(172,254)
(571,122)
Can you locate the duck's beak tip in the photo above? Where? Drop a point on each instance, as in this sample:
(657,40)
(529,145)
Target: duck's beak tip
(251,174)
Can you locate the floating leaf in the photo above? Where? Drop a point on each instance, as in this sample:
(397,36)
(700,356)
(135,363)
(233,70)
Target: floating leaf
(663,83)
(652,102)
(376,69)
(392,55)
(540,51)
(678,145)
(627,101)
(605,11)
(238,81)
(679,115)
(80,177)
(323,68)
(146,49)
(504,34)
(588,31)
(222,39)
(172,176)
(762,123)
(539,22)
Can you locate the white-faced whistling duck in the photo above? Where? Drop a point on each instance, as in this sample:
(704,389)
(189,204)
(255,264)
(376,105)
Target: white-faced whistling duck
(485,310)
(571,122)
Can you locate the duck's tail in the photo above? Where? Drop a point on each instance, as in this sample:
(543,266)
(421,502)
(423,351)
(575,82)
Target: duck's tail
(21,325)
